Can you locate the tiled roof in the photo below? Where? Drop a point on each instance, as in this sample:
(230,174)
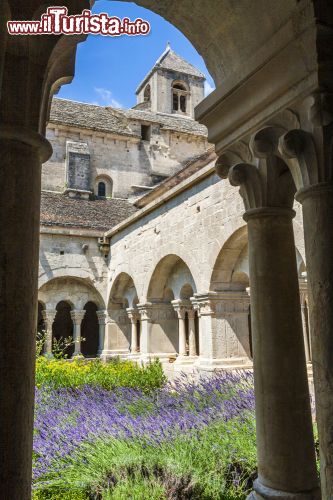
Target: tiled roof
(89,116)
(171,61)
(117,121)
(99,214)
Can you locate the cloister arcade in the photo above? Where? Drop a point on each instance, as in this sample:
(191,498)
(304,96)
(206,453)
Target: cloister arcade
(175,321)
(266,57)
(70,307)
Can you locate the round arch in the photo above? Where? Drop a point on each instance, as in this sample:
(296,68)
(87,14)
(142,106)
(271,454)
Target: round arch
(171,273)
(90,331)
(71,289)
(230,265)
(103,186)
(123,290)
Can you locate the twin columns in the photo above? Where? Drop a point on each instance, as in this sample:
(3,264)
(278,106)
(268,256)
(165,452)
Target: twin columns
(77,316)
(182,309)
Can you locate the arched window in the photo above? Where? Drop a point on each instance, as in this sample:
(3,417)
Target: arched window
(101,189)
(147,93)
(179,97)
(103,186)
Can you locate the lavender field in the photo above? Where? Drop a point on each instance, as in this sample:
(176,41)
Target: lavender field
(192,440)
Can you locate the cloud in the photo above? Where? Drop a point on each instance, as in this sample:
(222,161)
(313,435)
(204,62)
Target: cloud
(106,99)
(208,88)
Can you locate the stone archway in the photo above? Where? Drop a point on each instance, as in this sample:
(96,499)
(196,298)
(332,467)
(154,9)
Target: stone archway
(274,35)
(90,331)
(171,314)
(63,326)
(122,330)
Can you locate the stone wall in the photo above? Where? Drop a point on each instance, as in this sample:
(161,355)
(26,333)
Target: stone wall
(127,161)
(72,256)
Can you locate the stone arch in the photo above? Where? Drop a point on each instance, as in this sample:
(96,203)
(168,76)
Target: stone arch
(76,291)
(231,266)
(180,96)
(90,331)
(103,186)
(147,93)
(171,285)
(62,327)
(123,299)
(171,271)
(123,288)
(142,278)
(230,278)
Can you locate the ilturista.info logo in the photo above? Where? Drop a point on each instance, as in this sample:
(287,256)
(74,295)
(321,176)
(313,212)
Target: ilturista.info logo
(57,21)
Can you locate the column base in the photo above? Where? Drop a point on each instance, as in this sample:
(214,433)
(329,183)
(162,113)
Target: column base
(107,355)
(262,492)
(134,356)
(228,364)
(186,360)
(77,356)
(163,357)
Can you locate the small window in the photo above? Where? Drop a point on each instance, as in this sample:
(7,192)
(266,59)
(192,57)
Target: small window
(180,95)
(175,102)
(145,132)
(146,94)
(183,103)
(101,189)
(179,86)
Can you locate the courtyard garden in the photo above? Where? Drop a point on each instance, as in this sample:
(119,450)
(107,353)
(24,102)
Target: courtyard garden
(121,431)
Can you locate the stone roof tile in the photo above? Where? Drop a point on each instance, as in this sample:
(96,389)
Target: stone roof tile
(99,214)
(118,121)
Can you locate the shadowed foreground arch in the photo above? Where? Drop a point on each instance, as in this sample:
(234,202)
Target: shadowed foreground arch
(289,41)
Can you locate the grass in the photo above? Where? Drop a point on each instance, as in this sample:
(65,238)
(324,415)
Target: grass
(218,462)
(189,440)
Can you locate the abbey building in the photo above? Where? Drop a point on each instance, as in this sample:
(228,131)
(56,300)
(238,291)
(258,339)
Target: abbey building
(143,248)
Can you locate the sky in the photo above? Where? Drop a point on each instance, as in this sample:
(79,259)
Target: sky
(109,69)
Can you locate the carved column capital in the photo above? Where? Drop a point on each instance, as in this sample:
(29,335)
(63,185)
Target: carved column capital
(49,315)
(222,303)
(145,311)
(265,183)
(181,307)
(77,316)
(312,172)
(203,304)
(190,313)
(133,314)
(102,317)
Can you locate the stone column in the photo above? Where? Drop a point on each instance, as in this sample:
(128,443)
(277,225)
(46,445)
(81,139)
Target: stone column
(145,311)
(180,307)
(77,317)
(285,445)
(49,317)
(305,318)
(30,70)
(133,315)
(191,328)
(101,316)
(310,158)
